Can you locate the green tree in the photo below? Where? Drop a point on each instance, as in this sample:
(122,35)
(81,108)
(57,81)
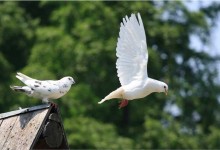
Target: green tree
(16,39)
(55,39)
(16,34)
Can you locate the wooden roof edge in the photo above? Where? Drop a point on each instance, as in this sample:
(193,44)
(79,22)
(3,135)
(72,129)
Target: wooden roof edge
(23,110)
(41,128)
(57,110)
(64,135)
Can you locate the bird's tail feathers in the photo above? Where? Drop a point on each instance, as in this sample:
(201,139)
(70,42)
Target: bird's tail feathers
(23,89)
(22,77)
(115,94)
(15,88)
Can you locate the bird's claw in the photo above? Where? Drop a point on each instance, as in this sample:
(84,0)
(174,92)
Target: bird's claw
(123,103)
(54,105)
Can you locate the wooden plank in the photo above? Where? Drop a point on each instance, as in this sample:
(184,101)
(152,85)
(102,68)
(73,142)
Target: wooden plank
(24,110)
(5,129)
(25,130)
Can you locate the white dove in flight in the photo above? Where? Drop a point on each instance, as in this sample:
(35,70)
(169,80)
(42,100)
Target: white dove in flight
(132,64)
(44,90)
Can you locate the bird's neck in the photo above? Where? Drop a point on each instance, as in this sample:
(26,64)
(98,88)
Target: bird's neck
(154,84)
(64,85)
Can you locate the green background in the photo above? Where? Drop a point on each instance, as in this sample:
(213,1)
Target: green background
(49,40)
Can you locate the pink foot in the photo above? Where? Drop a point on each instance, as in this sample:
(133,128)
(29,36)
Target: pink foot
(123,103)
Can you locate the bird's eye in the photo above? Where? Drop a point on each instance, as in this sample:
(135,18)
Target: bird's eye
(164,86)
(69,78)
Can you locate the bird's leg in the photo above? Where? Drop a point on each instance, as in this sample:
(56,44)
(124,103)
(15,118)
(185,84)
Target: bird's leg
(123,103)
(45,100)
(53,105)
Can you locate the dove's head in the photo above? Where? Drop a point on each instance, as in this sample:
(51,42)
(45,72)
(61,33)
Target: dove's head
(68,80)
(164,87)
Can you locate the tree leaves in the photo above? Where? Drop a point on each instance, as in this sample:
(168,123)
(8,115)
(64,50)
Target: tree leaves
(49,40)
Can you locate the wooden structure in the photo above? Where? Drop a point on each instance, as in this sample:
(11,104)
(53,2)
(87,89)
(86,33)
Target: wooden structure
(38,127)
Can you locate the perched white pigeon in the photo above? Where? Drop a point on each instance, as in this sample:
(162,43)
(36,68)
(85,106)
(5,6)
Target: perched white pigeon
(45,90)
(132,64)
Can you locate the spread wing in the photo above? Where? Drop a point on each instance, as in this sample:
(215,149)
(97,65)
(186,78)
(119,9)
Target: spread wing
(132,51)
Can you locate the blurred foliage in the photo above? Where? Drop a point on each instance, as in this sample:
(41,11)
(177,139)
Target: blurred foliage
(49,40)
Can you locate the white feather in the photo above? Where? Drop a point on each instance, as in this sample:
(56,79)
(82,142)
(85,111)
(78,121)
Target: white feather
(131,51)
(131,64)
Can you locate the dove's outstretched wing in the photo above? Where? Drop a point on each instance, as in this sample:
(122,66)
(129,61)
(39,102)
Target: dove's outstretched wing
(131,51)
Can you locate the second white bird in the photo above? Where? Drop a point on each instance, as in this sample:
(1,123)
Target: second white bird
(45,90)
(132,64)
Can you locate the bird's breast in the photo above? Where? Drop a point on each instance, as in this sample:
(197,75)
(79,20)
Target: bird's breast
(136,91)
